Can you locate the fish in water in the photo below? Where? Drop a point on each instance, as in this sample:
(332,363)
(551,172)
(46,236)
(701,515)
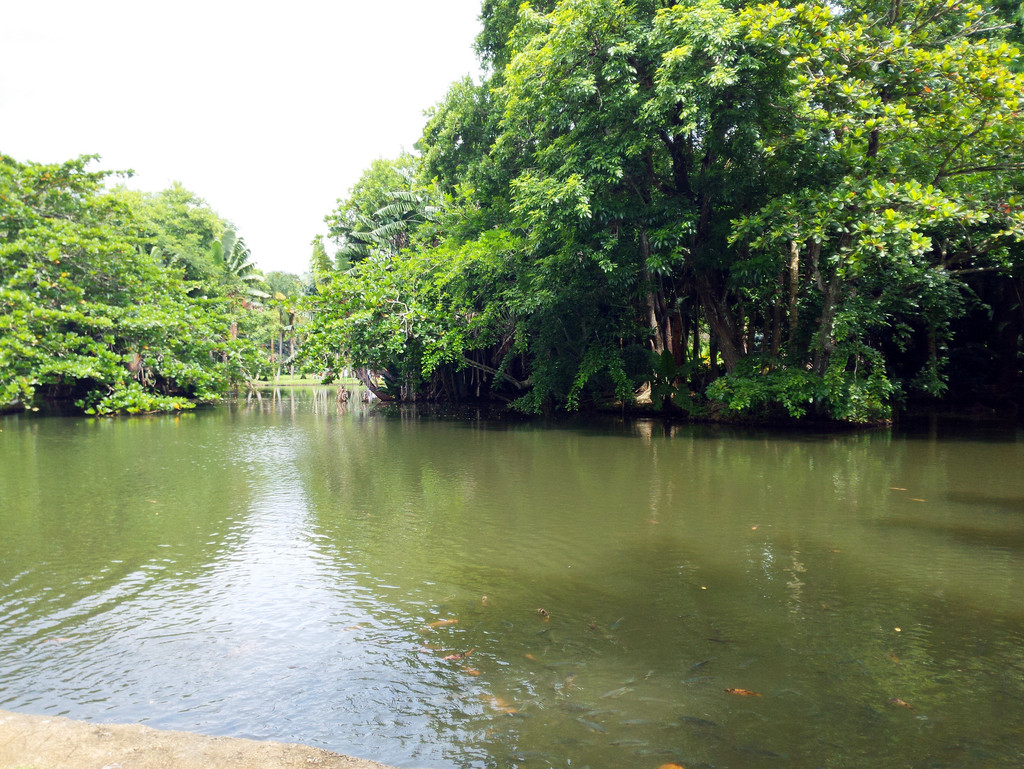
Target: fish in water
(701,722)
(616,692)
(460,656)
(441,623)
(754,750)
(592,725)
(743,692)
(497,703)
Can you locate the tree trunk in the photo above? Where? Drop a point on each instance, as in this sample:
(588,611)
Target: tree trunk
(794,285)
(650,298)
(696,339)
(722,322)
(678,336)
(824,344)
(777,318)
(752,333)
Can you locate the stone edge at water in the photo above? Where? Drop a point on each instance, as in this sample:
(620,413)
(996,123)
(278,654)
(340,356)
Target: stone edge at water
(51,742)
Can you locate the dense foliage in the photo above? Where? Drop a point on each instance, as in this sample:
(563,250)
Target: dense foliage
(115,300)
(772,209)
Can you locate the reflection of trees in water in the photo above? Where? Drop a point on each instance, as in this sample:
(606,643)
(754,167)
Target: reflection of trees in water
(88,499)
(321,401)
(669,569)
(615,538)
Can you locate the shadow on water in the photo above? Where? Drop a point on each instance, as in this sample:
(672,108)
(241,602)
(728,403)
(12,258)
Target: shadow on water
(975,536)
(965,427)
(988,501)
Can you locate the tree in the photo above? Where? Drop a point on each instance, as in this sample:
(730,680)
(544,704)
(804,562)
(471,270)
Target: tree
(908,144)
(368,219)
(239,274)
(807,197)
(178,227)
(87,314)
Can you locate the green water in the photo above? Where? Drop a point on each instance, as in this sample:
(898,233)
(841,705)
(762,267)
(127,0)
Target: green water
(286,570)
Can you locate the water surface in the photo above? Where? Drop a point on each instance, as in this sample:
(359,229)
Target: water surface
(463,593)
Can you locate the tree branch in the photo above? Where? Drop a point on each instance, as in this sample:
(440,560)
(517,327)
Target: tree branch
(494,372)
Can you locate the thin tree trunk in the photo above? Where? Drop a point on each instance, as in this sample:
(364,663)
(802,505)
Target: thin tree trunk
(696,338)
(777,318)
(678,331)
(751,331)
(825,344)
(650,299)
(794,285)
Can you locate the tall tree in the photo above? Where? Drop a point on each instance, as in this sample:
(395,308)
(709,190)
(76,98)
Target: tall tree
(803,194)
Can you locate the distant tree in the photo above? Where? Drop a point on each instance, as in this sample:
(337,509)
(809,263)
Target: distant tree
(239,273)
(179,228)
(87,314)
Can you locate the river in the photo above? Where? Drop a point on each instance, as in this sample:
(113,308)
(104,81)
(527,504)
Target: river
(449,591)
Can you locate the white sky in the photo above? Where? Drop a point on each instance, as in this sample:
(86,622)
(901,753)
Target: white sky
(268,111)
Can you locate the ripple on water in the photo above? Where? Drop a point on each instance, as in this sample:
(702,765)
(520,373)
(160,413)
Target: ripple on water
(310,591)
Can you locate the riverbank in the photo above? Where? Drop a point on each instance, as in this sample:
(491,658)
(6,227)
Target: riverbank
(50,742)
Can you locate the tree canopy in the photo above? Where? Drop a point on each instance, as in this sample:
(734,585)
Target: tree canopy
(764,208)
(112,299)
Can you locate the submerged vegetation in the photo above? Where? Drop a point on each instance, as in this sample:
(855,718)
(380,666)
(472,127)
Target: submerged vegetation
(758,209)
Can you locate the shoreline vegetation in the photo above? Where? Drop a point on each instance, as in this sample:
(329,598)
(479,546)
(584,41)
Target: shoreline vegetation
(724,211)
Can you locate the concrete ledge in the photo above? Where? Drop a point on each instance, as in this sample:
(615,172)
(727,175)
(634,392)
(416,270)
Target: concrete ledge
(50,742)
